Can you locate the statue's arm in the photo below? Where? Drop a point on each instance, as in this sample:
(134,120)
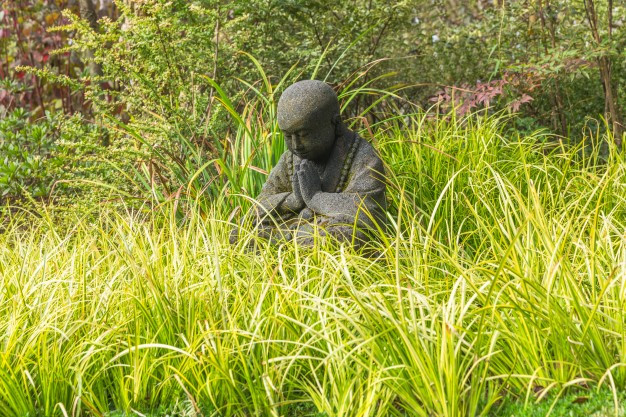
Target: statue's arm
(348,206)
(281,203)
(336,205)
(364,192)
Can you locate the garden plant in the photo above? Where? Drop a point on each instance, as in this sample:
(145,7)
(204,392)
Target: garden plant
(135,135)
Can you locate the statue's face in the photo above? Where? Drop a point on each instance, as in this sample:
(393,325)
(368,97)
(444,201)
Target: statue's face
(310,137)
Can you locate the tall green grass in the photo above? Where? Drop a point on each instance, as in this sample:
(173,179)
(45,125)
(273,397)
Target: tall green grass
(503,274)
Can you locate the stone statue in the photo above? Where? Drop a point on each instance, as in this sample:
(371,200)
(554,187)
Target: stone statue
(330,181)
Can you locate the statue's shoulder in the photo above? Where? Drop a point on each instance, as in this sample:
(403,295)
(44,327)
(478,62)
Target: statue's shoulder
(284,160)
(366,151)
(282,169)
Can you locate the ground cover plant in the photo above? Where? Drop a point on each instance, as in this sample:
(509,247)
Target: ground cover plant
(502,275)
(598,404)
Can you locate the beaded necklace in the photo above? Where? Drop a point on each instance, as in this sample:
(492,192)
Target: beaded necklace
(347,163)
(345,169)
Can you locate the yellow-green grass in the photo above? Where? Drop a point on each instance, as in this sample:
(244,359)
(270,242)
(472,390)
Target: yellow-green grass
(503,274)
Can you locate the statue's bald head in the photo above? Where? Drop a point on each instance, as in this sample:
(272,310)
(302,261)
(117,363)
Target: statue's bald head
(308,114)
(306,100)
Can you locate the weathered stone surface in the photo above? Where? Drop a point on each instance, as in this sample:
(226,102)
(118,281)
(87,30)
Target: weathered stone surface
(330,181)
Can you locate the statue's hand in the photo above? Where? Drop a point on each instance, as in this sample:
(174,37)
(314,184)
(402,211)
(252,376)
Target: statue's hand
(309,179)
(297,195)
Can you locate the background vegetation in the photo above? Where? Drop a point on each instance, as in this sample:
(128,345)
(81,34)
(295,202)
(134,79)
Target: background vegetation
(154,65)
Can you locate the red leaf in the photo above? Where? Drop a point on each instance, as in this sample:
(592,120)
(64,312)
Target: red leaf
(526,98)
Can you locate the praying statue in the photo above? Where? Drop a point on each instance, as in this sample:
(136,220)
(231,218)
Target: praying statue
(329,182)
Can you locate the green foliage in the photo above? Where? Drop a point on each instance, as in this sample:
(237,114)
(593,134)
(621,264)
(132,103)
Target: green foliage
(153,91)
(582,404)
(60,155)
(547,47)
(169,76)
(332,43)
(89,160)
(502,275)
(28,158)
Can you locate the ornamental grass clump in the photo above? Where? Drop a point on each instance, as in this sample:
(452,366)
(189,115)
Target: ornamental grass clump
(503,273)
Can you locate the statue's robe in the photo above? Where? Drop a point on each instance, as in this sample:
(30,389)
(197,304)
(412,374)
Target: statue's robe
(346,210)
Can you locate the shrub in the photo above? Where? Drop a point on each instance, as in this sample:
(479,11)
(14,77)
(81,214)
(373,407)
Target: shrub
(28,156)
(60,154)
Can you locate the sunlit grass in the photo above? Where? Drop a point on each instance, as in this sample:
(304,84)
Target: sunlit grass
(503,273)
